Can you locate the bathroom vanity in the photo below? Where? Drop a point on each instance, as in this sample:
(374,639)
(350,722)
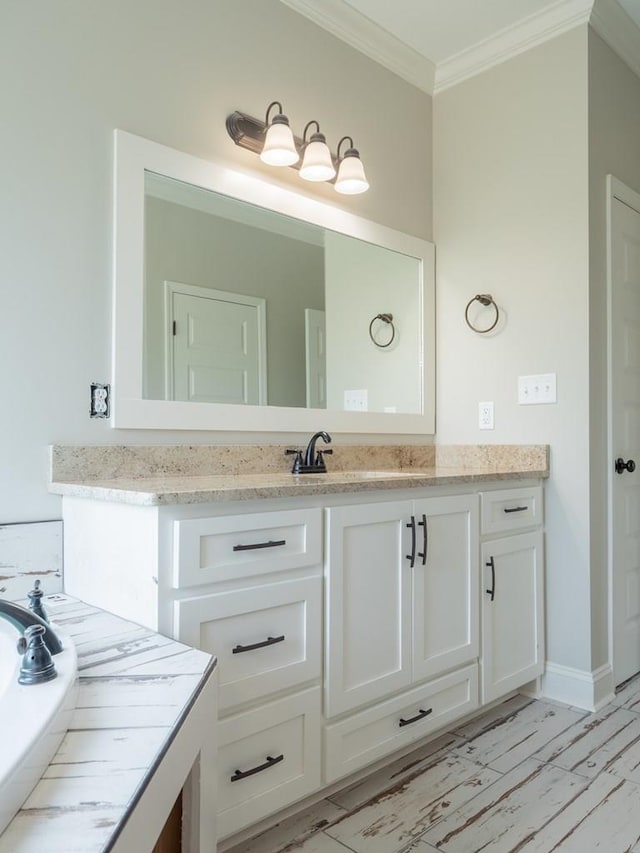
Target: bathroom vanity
(353,614)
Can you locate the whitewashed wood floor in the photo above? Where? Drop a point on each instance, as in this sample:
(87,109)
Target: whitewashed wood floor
(526,776)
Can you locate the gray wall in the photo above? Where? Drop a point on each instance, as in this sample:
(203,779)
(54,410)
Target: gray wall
(192,247)
(170,71)
(511,219)
(614,148)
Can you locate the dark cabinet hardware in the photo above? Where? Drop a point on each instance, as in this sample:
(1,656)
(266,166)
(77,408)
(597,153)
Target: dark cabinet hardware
(412,556)
(270,641)
(272,543)
(516,508)
(419,716)
(423,554)
(492,591)
(313,460)
(270,762)
(622,466)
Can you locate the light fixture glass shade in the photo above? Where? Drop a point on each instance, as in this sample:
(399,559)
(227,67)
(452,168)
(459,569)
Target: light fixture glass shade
(317,164)
(351,178)
(279,147)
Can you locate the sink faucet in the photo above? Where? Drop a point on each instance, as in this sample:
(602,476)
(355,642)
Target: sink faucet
(312,462)
(21,618)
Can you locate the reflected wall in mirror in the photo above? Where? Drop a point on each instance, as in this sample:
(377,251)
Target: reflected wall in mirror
(244,305)
(241,305)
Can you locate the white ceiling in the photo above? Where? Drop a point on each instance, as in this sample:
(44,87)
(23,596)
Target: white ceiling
(440,29)
(436,43)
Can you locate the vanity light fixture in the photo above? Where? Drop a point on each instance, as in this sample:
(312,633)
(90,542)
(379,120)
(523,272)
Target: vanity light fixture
(279,146)
(276,145)
(317,163)
(351,178)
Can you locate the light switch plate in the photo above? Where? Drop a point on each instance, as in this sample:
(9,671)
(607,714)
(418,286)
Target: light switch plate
(356,400)
(540,388)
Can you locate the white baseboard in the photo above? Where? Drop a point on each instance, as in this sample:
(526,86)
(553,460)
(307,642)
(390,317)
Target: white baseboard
(581,688)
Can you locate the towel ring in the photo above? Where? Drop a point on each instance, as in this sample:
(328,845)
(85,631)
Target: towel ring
(484,299)
(386,318)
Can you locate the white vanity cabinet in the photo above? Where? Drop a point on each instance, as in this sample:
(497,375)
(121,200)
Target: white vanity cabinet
(401,607)
(512,591)
(346,627)
(401,596)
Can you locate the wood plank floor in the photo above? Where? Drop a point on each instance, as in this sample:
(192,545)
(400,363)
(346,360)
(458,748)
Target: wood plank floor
(526,777)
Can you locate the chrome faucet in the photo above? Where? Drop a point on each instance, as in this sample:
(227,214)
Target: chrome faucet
(22,618)
(313,461)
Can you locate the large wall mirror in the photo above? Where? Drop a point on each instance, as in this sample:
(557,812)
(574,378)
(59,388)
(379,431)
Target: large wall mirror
(240,305)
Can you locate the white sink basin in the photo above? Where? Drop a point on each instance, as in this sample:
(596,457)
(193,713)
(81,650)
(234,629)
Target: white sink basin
(33,720)
(372,475)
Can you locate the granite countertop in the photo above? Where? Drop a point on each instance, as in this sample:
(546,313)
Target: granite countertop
(154,491)
(135,689)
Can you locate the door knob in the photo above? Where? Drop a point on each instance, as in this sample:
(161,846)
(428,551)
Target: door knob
(622,466)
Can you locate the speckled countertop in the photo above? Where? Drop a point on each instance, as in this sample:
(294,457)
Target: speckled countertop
(179,475)
(135,688)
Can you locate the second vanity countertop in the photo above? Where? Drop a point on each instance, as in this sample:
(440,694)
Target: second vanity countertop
(469,465)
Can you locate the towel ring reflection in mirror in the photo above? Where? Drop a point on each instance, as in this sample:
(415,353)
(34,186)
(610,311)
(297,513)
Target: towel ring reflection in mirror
(386,318)
(485,299)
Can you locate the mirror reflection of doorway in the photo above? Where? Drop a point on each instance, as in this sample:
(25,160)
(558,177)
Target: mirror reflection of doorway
(215,346)
(316,361)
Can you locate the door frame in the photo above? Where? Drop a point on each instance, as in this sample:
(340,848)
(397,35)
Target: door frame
(171,287)
(616,190)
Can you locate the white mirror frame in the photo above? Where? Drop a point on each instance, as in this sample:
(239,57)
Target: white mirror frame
(135,155)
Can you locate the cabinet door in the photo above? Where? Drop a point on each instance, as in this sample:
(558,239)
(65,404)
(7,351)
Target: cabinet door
(368,604)
(445,591)
(512,613)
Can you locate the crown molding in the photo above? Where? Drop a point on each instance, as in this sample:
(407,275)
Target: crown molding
(355,29)
(619,31)
(509,42)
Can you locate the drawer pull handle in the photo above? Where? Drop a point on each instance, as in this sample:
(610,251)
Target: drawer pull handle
(419,716)
(516,508)
(270,544)
(270,762)
(425,539)
(412,556)
(270,641)
(492,592)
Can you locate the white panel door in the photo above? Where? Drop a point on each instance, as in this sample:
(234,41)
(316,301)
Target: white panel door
(625,438)
(512,613)
(445,587)
(315,337)
(368,604)
(216,350)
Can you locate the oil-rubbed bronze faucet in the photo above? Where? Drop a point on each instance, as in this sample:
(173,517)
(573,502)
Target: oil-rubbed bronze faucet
(313,461)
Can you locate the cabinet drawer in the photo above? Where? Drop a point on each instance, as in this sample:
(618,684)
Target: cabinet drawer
(207,550)
(511,509)
(272,754)
(372,734)
(266,638)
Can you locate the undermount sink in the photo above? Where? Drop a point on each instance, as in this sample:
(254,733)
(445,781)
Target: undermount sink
(370,475)
(33,720)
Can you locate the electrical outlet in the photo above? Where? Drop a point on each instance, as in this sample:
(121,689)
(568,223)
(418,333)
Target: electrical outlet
(485,415)
(99,407)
